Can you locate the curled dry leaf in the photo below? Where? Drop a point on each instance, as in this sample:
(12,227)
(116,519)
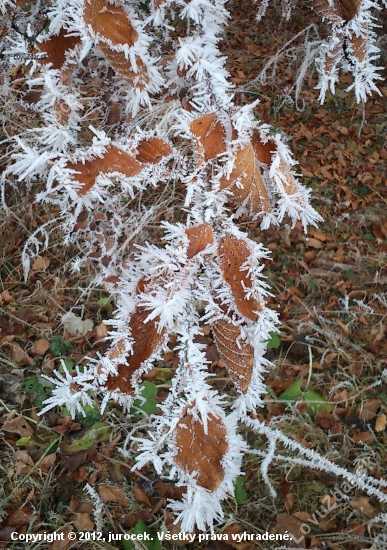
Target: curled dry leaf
(114,160)
(199,452)
(234,253)
(199,238)
(237,354)
(210,134)
(18,425)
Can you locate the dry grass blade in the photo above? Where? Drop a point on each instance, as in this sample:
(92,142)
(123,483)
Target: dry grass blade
(234,253)
(199,452)
(238,359)
(199,238)
(246,182)
(210,134)
(114,160)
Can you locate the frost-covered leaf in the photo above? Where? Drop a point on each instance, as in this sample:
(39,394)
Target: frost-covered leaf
(114,31)
(246,182)
(237,354)
(56,48)
(114,160)
(234,254)
(199,238)
(200,451)
(152,150)
(210,134)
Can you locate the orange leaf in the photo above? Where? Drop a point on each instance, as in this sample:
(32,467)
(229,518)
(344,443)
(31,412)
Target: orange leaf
(199,238)
(140,495)
(112,25)
(246,182)
(234,253)
(348,8)
(238,360)
(114,160)
(40,346)
(113,494)
(146,341)
(110,22)
(152,150)
(263,150)
(56,47)
(210,133)
(199,452)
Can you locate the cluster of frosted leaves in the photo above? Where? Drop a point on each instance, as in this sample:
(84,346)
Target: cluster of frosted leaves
(208,272)
(238,164)
(351,43)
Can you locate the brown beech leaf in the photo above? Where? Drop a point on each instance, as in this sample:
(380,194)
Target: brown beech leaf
(112,25)
(152,150)
(56,48)
(40,264)
(17,425)
(200,452)
(234,253)
(348,8)
(292,525)
(326,10)
(262,150)
(83,522)
(210,134)
(363,438)
(199,238)
(114,160)
(363,506)
(146,341)
(381,423)
(238,359)
(369,409)
(359,46)
(19,355)
(110,22)
(40,346)
(140,495)
(245,181)
(113,494)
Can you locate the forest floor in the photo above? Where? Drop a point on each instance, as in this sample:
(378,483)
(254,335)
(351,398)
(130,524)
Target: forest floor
(329,288)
